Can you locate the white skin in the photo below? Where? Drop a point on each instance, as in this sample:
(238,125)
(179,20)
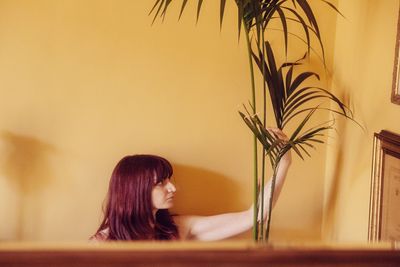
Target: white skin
(162,195)
(217,227)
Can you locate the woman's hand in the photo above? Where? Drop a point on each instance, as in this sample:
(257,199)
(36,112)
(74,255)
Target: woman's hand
(287,157)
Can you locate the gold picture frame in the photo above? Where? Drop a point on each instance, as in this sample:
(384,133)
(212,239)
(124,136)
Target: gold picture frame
(384,215)
(396,69)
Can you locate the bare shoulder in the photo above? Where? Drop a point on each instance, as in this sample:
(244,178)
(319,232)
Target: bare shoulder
(100,236)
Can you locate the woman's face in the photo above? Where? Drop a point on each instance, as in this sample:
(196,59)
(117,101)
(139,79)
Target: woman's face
(162,195)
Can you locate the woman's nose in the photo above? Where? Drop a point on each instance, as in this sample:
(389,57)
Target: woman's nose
(171,187)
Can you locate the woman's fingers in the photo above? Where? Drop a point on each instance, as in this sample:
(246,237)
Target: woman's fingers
(287,158)
(278,133)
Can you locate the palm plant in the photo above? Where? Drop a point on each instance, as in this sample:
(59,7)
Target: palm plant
(284,87)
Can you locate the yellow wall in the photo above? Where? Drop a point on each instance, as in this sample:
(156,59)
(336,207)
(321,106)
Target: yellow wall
(363,66)
(83,83)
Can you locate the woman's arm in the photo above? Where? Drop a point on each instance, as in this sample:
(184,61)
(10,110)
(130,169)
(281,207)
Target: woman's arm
(283,168)
(217,227)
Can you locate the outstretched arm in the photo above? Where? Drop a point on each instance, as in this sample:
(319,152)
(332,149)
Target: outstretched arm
(217,227)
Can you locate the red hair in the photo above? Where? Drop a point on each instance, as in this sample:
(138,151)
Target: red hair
(129,212)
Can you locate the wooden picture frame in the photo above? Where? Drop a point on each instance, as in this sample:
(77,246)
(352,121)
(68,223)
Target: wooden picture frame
(384,216)
(396,69)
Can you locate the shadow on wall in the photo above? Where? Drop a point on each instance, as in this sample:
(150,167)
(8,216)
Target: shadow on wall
(333,195)
(203,192)
(26,169)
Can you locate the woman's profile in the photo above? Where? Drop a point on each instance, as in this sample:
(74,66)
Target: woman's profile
(141,192)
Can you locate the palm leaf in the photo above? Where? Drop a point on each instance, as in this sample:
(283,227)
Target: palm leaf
(306,138)
(300,79)
(167,3)
(306,91)
(269,10)
(288,80)
(305,151)
(310,15)
(252,127)
(297,151)
(240,19)
(269,142)
(288,119)
(333,6)
(199,4)
(182,8)
(160,4)
(300,127)
(221,13)
(305,27)
(276,91)
(293,96)
(300,103)
(156,3)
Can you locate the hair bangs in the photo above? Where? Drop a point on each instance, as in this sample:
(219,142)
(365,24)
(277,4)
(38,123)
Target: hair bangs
(162,169)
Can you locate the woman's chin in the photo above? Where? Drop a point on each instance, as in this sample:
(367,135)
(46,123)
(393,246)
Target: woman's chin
(169,204)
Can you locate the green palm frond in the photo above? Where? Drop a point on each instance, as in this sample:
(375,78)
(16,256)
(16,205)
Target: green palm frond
(199,5)
(221,12)
(182,8)
(290,99)
(284,10)
(298,141)
(288,96)
(310,16)
(310,136)
(270,143)
(165,4)
(258,14)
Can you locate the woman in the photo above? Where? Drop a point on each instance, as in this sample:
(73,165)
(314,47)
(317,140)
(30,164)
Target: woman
(141,192)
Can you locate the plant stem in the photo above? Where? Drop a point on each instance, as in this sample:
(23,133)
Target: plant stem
(265,123)
(262,194)
(255,156)
(271,197)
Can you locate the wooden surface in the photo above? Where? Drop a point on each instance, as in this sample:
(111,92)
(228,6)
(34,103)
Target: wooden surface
(195,254)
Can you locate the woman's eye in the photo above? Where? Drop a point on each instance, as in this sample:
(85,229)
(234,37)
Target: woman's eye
(163,182)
